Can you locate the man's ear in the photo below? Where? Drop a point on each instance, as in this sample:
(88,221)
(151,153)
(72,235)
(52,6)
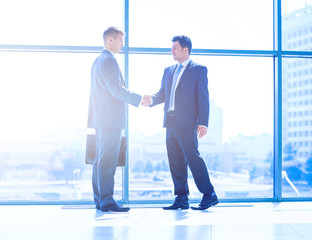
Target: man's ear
(186,50)
(109,38)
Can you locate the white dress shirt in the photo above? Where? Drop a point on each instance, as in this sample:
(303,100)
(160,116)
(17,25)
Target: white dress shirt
(184,64)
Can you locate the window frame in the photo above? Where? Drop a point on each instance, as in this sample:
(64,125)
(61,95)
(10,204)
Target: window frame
(277,54)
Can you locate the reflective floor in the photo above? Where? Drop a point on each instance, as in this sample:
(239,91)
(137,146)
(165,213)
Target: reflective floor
(231,221)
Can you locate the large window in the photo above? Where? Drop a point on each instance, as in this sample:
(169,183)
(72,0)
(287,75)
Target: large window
(224,24)
(258,144)
(297,127)
(57,22)
(297,99)
(43,104)
(238,148)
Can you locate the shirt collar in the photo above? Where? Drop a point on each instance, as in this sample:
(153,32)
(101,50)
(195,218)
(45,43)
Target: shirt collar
(109,51)
(184,64)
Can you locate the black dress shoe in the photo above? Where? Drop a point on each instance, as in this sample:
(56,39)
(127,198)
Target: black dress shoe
(114,208)
(179,202)
(207,202)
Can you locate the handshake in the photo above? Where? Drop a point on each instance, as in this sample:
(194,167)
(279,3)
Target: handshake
(146,101)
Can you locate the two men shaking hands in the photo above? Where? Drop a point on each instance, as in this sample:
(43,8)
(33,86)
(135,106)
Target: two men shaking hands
(184,92)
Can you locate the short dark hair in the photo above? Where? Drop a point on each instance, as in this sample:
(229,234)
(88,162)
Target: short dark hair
(184,42)
(112,31)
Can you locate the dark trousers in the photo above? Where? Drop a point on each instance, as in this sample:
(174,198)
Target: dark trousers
(107,144)
(182,150)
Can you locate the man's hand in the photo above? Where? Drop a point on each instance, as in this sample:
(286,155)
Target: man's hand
(146,101)
(201,131)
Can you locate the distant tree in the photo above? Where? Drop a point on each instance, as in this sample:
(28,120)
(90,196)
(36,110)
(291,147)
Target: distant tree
(269,160)
(138,167)
(164,165)
(148,167)
(253,174)
(158,167)
(293,169)
(263,169)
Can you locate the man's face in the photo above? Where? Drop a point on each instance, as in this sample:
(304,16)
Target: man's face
(179,54)
(117,43)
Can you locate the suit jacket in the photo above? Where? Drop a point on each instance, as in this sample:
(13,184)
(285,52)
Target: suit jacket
(108,94)
(191,96)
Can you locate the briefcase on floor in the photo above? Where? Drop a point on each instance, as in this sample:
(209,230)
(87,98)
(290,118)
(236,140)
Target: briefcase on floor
(90,150)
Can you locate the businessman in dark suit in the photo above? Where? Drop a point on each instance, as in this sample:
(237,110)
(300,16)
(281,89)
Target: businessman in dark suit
(184,90)
(107,115)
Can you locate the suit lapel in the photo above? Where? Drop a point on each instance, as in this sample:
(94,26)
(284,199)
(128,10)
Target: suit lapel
(187,69)
(172,69)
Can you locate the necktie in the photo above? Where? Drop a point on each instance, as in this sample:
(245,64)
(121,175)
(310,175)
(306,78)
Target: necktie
(173,84)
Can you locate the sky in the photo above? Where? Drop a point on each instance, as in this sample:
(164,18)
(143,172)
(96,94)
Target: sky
(291,5)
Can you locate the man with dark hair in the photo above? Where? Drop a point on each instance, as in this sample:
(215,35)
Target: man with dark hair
(184,90)
(107,115)
(184,41)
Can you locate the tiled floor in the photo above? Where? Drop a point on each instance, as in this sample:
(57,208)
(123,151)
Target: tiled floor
(230,221)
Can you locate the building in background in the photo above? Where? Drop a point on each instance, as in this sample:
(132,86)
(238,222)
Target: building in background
(297,83)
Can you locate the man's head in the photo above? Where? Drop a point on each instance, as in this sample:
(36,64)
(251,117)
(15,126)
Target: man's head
(113,39)
(181,48)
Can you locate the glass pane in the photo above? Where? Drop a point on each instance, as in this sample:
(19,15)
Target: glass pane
(58,22)
(297,127)
(297,25)
(210,24)
(44,105)
(239,145)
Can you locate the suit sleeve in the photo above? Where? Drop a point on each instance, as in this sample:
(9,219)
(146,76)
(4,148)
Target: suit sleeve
(159,97)
(203,97)
(111,74)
